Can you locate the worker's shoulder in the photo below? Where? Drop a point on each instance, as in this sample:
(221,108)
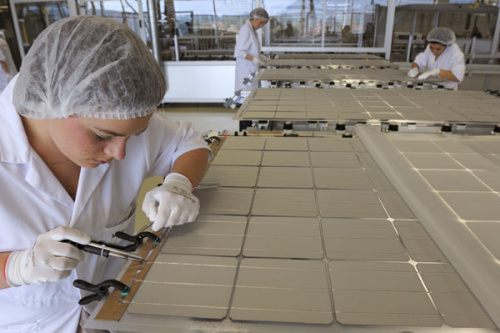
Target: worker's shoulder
(455,48)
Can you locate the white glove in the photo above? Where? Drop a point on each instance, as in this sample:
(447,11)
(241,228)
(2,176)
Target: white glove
(413,72)
(258,62)
(48,260)
(432,72)
(264,58)
(171,203)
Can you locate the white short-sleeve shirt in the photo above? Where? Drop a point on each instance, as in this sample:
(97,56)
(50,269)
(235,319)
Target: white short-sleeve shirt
(35,202)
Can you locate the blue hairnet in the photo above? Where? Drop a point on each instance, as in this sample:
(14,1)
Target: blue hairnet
(259,13)
(443,36)
(89,66)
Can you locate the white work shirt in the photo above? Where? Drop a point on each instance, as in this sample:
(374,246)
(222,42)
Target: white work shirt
(34,202)
(247,43)
(452,59)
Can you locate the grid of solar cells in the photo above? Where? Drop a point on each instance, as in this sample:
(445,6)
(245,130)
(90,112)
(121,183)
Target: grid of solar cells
(315,74)
(369,104)
(464,172)
(361,56)
(358,242)
(332,63)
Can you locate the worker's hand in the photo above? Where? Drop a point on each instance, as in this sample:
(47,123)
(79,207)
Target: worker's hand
(264,58)
(48,259)
(413,72)
(171,203)
(258,62)
(432,72)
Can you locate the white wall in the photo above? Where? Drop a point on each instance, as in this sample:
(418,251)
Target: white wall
(199,81)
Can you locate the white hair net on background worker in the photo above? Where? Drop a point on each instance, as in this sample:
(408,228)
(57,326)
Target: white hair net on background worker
(82,74)
(259,13)
(442,57)
(441,35)
(78,136)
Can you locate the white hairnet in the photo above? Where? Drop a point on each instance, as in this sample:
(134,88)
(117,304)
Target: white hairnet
(443,36)
(259,13)
(89,66)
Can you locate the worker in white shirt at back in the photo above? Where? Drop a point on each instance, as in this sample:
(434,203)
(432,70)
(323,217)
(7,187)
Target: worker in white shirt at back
(247,49)
(442,57)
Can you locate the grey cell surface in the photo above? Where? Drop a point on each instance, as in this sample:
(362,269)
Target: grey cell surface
(334,160)
(341,178)
(238,157)
(244,143)
(490,178)
(394,205)
(284,177)
(416,146)
(378,179)
(367,161)
(455,302)
(432,161)
(284,202)
(355,203)
(281,290)
(225,201)
(475,162)
(191,286)
(292,115)
(286,158)
(278,143)
(329,144)
(362,239)
(473,206)
(218,235)
(261,115)
(487,232)
(380,294)
(453,180)
(418,243)
(283,237)
(232,176)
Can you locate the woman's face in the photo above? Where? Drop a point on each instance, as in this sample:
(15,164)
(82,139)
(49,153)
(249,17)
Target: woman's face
(258,23)
(437,49)
(90,142)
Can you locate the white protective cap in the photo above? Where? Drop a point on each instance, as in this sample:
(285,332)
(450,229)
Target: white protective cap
(441,35)
(89,66)
(259,13)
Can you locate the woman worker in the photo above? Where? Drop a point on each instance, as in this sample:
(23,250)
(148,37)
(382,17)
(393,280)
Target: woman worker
(79,134)
(247,50)
(442,57)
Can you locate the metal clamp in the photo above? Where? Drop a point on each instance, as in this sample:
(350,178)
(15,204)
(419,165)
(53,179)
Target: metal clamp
(100,290)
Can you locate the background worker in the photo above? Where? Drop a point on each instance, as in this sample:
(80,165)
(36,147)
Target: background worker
(78,136)
(247,50)
(442,57)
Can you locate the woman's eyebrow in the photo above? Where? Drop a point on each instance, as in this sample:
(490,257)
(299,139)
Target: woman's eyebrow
(119,134)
